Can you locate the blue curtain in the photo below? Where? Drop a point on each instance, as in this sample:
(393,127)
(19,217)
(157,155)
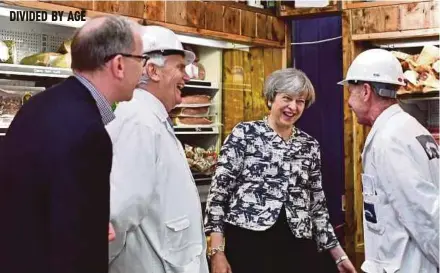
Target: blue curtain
(322,62)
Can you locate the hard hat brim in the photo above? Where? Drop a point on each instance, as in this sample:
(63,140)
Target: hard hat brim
(343,82)
(189,56)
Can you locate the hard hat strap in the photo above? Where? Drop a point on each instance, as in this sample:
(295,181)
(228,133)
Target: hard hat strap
(386,93)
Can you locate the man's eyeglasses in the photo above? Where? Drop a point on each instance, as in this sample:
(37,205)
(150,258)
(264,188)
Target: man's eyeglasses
(144,58)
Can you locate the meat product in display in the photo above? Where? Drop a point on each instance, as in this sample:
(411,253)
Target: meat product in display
(192,121)
(185,111)
(196,99)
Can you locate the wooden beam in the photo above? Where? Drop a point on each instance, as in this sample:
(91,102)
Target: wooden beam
(404,34)
(362,4)
(243,6)
(177,28)
(350,223)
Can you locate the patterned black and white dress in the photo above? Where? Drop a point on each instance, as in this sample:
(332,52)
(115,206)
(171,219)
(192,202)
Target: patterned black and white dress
(259,174)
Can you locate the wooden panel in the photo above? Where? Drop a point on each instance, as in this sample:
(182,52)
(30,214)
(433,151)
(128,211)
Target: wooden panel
(258,102)
(418,33)
(277,56)
(248,23)
(268,62)
(418,15)
(369,4)
(214,16)
(75,4)
(374,20)
(261,26)
(231,20)
(269,28)
(247,89)
(278,29)
(175,12)
(233,77)
(350,227)
(131,8)
(244,6)
(105,6)
(195,14)
(289,11)
(155,10)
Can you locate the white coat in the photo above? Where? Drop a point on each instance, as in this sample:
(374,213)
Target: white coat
(401,196)
(155,206)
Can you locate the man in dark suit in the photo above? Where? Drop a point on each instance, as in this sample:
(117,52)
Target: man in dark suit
(56,158)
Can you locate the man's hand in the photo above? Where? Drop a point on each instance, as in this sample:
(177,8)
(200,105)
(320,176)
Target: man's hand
(111,233)
(219,263)
(346,267)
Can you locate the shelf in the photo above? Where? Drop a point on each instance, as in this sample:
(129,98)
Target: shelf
(198,84)
(433,95)
(196,129)
(34,71)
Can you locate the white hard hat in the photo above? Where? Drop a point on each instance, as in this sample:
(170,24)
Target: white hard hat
(161,40)
(375,65)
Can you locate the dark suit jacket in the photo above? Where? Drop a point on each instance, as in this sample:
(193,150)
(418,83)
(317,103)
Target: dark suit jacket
(55,164)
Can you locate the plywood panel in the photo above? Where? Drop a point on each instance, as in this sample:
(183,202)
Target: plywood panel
(195,14)
(418,15)
(261,26)
(257,82)
(154,10)
(268,62)
(231,20)
(278,29)
(277,55)
(247,90)
(248,23)
(175,12)
(372,20)
(350,226)
(233,79)
(106,6)
(76,4)
(269,28)
(214,16)
(130,8)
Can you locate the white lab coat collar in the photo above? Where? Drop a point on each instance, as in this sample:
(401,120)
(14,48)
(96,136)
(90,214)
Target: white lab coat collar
(381,121)
(151,102)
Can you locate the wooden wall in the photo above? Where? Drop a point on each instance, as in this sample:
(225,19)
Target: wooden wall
(243,79)
(214,19)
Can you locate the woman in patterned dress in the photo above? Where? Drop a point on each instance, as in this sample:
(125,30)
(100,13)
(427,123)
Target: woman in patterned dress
(266,198)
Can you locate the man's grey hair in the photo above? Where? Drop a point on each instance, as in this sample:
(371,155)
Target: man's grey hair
(290,81)
(155,59)
(91,50)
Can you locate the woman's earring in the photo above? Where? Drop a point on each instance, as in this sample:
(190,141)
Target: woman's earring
(269,104)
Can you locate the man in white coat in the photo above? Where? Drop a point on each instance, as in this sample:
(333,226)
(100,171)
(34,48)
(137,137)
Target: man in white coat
(155,206)
(400,171)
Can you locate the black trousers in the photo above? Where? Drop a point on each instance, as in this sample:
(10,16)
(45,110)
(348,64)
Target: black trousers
(275,250)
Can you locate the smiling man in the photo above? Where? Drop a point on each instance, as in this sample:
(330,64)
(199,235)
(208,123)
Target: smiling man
(400,163)
(155,206)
